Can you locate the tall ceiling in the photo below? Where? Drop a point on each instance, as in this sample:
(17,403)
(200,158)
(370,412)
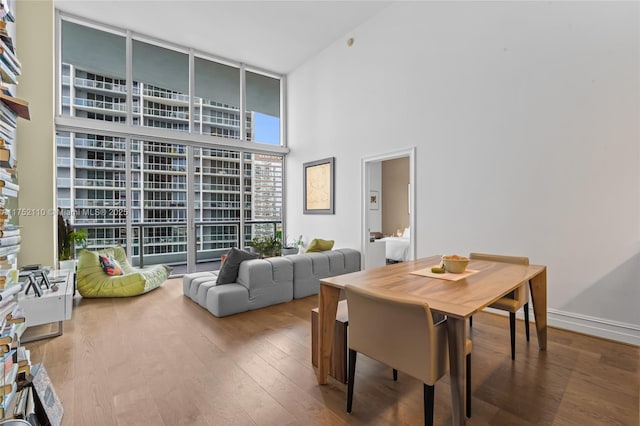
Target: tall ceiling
(274,35)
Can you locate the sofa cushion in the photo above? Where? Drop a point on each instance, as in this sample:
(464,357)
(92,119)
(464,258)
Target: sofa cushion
(229,270)
(224,300)
(319,245)
(351,259)
(308,269)
(337,263)
(269,281)
(191,282)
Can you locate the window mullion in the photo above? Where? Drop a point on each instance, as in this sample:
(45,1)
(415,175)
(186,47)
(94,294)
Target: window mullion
(243,104)
(128,142)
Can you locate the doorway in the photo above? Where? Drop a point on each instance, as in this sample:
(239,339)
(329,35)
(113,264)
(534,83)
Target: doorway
(388,193)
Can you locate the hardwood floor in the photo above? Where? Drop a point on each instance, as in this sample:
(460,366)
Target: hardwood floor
(160,359)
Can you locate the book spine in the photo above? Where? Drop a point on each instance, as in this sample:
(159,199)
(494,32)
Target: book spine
(8,184)
(4,251)
(7,360)
(10,233)
(21,404)
(9,241)
(7,74)
(10,377)
(7,308)
(9,58)
(8,114)
(8,398)
(8,192)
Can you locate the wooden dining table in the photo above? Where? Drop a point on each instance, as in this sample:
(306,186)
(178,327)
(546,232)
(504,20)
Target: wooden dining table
(458,300)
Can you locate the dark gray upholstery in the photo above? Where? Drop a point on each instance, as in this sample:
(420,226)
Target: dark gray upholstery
(229,271)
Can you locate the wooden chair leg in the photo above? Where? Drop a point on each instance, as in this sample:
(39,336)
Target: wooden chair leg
(395,375)
(512,329)
(429,392)
(469,385)
(352,375)
(526,319)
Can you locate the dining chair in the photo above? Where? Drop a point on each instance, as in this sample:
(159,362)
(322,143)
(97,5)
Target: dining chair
(404,335)
(512,302)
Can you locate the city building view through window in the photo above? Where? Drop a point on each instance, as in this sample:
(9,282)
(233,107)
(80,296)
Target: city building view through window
(128,188)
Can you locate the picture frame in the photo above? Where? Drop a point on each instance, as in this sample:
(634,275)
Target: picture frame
(374,200)
(319,186)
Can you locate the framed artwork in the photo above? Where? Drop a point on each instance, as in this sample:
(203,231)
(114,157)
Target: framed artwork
(374,198)
(318,183)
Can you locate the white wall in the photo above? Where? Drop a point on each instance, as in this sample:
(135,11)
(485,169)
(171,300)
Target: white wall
(525,119)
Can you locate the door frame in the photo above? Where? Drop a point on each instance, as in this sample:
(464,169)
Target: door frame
(364,208)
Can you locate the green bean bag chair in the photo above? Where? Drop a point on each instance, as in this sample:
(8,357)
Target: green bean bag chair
(93,280)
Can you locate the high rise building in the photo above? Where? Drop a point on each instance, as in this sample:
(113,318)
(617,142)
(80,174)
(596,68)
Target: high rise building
(92,172)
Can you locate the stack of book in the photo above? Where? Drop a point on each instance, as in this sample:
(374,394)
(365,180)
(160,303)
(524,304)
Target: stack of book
(19,406)
(20,382)
(8,384)
(15,385)
(7,11)
(15,360)
(11,108)
(14,367)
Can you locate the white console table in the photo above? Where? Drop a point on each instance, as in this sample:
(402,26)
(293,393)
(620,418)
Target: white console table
(51,307)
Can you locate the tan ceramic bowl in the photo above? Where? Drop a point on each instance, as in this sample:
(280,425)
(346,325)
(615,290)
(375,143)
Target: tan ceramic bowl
(455,266)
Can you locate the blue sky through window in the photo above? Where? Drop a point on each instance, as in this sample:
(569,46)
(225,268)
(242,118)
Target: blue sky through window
(266,129)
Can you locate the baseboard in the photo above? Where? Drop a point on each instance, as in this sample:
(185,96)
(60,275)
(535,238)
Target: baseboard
(607,329)
(612,330)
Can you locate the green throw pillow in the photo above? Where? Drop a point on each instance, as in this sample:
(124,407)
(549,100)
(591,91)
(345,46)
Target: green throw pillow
(319,245)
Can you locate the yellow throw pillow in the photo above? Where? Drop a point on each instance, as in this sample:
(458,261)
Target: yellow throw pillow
(319,245)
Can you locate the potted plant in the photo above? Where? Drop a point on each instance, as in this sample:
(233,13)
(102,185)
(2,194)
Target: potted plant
(266,246)
(68,239)
(292,246)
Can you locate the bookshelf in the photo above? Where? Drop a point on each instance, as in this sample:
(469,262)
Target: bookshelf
(11,110)
(24,385)
(9,70)
(16,364)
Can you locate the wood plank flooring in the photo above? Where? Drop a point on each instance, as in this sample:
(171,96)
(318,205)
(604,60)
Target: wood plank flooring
(160,359)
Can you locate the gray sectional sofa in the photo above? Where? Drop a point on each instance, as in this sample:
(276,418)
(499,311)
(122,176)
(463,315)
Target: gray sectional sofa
(264,282)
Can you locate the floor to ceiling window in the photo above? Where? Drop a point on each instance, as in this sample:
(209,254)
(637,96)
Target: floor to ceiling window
(171,174)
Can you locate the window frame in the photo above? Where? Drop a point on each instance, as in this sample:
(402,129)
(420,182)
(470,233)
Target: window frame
(140,131)
(190,138)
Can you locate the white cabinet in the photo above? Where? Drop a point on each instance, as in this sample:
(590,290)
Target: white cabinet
(52,306)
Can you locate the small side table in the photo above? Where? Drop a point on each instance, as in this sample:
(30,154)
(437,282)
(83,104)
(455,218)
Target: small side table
(51,307)
(338,360)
